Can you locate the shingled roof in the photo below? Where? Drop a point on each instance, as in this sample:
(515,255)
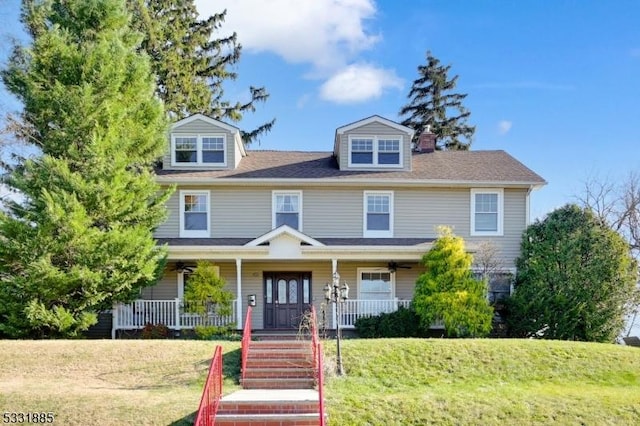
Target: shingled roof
(446,166)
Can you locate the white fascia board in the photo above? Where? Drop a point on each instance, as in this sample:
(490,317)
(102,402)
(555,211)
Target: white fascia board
(375,119)
(209,120)
(228,181)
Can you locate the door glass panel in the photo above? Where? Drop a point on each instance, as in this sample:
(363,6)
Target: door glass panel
(282,291)
(305,290)
(269,291)
(293,291)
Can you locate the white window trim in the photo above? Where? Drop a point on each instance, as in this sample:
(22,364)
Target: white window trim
(273,206)
(377,234)
(195,234)
(375,151)
(500,193)
(199,138)
(181,282)
(393,279)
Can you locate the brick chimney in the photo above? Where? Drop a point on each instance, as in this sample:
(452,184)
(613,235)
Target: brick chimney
(426,141)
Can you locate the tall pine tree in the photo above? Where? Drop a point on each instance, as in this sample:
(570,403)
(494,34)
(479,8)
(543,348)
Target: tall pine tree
(433,105)
(82,238)
(190,65)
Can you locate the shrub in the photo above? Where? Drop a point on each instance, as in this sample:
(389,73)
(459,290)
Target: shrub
(213,332)
(155,331)
(401,323)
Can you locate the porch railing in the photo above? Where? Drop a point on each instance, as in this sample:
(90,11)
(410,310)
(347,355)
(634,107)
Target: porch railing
(317,363)
(175,314)
(246,341)
(212,392)
(353,309)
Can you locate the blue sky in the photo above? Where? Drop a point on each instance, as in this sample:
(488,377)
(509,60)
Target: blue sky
(554,83)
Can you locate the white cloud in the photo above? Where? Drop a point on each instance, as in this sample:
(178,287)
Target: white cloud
(504,126)
(325,33)
(357,83)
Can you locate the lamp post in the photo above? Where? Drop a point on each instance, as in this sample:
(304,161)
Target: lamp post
(334,293)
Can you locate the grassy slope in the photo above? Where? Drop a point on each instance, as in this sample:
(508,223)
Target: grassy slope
(85,382)
(389,381)
(485,382)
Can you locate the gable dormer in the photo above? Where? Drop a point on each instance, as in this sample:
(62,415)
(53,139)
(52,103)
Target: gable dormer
(203,143)
(374,143)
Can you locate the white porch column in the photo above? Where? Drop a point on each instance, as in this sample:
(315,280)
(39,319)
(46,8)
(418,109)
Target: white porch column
(239,322)
(334,266)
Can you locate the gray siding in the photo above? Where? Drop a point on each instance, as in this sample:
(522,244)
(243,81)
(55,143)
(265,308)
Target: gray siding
(200,127)
(373,129)
(338,212)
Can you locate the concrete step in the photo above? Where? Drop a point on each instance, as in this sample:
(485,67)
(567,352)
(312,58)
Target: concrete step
(281,383)
(280,353)
(307,419)
(279,363)
(268,407)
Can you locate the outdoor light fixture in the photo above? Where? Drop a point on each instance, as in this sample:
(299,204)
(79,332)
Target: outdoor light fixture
(334,293)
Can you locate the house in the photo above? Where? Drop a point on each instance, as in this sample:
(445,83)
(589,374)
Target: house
(279,224)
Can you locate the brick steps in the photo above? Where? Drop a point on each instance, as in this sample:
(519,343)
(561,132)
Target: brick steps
(278,387)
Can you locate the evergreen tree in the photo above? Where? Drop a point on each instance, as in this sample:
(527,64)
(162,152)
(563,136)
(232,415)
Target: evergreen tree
(574,281)
(189,65)
(447,291)
(82,238)
(433,106)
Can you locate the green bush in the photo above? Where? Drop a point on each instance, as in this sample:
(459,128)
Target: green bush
(213,332)
(401,323)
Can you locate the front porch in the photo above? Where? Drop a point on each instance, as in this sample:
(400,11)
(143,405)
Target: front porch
(176,315)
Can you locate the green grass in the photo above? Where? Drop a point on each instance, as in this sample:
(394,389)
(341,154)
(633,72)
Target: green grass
(105,382)
(484,382)
(388,382)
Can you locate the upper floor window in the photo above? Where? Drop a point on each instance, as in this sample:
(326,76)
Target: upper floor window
(194,213)
(287,209)
(375,151)
(378,214)
(486,211)
(198,150)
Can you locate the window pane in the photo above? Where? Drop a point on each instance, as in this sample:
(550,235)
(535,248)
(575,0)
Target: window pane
(375,286)
(388,158)
(389,145)
(195,221)
(186,150)
(195,203)
(378,204)
(486,222)
(361,158)
(486,203)
(293,291)
(213,156)
(269,290)
(286,203)
(282,291)
(290,219)
(305,291)
(377,222)
(359,145)
(213,144)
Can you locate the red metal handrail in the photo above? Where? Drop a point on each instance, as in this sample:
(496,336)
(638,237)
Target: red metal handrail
(317,363)
(212,392)
(246,341)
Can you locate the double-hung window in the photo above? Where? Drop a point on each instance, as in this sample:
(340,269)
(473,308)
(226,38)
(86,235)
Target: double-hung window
(375,151)
(487,208)
(198,150)
(194,214)
(287,209)
(378,214)
(376,287)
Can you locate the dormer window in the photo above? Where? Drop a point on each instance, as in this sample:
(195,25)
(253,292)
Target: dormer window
(375,151)
(198,150)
